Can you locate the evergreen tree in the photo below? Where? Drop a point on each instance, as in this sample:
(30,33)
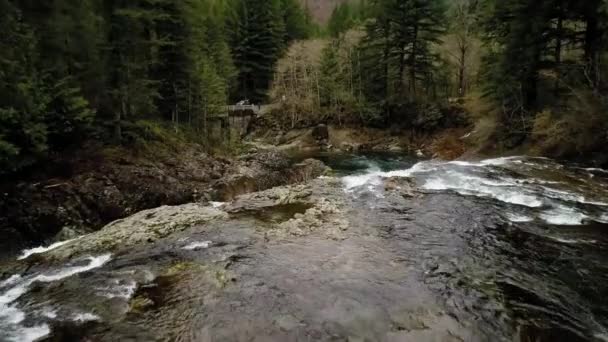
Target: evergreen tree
(134,43)
(341,20)
(69,35)
(257,43)
(330,77)
(23,95)
(296,22)
(375,52)
(518,30)
(400,36)
(207,61)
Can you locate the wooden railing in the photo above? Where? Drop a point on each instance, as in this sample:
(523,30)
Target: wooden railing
(241,110)
(244,108)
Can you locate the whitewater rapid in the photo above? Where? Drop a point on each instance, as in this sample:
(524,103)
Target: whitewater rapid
(12,317)
(530,188)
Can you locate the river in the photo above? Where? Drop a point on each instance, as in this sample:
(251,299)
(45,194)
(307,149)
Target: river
(506,249)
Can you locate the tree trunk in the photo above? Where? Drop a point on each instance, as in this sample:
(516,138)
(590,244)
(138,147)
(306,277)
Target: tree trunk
(386,59)
(558,46)
(462,69)
(401,67)
(176,110)
(117,118)
(189,103)
(413,61)
(530,85)
(592,47)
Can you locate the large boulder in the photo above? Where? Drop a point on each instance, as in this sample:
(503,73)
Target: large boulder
(264,170)
(144,227)
(307,170)
(321,134)
(403,186)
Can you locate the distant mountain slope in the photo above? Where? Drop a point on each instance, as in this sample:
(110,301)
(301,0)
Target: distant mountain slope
(321,9)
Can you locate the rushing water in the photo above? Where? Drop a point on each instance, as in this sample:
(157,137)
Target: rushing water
(535,247)
(507,249)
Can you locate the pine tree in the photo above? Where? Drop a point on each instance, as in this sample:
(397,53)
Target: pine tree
(330,74)
(207,61)
(295,19)
(400,36)
(375,56)
(69,35)
(341,20)
(260,33)
(23,96)
(134,43)
(518,29)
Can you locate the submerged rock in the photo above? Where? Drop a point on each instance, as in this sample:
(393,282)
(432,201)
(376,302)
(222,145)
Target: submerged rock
(325,215)
(308,212)
(404,186)
(144,227)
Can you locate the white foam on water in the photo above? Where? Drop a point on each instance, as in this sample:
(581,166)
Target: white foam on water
(198,245)
(374,177)
(596,203)
(562,195)
(571,197)
(217,204)
(18,286)
(603,218)
(601,336)
(30,334)
(563,216)
(10,281)
(488,162)
(418,168)
(481,180)
(119,289)
(573,241)
(476,186)
(500,161)
(595,169)
(536,181)
(463,163)
(85,317)
(49,313)
(42,249)
(518,218)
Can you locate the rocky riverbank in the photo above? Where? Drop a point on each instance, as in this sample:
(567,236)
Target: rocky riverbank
(426,251)
(446,144)
(106,186)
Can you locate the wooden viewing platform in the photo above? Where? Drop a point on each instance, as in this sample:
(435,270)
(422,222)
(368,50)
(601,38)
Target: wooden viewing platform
(250,110)
(244,110)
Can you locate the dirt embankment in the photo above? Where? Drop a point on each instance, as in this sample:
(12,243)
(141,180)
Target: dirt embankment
(99,187)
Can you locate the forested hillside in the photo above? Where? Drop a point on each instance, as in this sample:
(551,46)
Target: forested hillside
(528,72)
(78,70)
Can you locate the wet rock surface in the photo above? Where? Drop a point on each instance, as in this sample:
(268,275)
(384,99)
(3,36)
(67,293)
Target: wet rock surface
(351,258)
(325,273)
(263,170)
(33,212)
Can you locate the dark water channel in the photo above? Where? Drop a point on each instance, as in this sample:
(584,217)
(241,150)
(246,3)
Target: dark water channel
(508,249)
